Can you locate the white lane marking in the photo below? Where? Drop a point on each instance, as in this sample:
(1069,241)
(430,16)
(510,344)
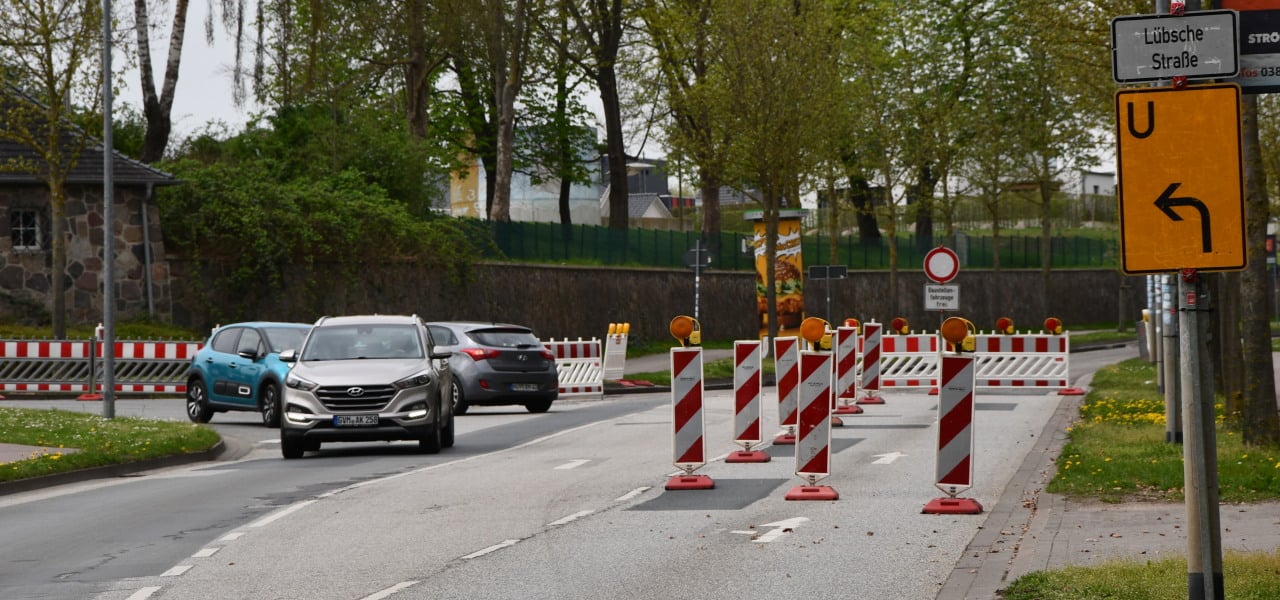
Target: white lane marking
(144,593)
(271,518)
(389,591)
(780,528)
(493,548)
(569,519)
(268,441)
(194,473)
(719,458)
(573,464)
(205,552)
(887,459)
(632,494)
(231,537)
(176,571)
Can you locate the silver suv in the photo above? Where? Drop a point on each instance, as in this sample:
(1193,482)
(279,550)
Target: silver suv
(366,378)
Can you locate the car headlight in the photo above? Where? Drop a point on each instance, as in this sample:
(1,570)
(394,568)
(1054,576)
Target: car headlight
(418,379)
(299,383)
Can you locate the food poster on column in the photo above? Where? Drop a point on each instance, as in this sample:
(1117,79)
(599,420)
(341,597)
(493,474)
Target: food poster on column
(788,273)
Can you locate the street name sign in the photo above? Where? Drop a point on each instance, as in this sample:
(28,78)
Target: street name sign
(1181,186)
(1198,45)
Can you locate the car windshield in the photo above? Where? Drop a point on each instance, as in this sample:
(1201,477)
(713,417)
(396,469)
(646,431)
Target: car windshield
(346,342)
(505,338)
(284,338)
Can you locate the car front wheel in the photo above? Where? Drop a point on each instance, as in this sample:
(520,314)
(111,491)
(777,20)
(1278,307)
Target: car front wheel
(269,405)
(198,402)
(430,441)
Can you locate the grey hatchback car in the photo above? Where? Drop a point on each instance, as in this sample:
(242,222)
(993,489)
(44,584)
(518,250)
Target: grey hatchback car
(496,364)
(367,378)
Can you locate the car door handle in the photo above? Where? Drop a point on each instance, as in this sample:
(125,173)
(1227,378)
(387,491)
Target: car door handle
(231,365)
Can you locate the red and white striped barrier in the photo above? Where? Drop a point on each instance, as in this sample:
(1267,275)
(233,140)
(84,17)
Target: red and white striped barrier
(813,439)
(871,337)
(909,361)
(1022,360)
(954,471)
(686,408)
(578,366)
(786,362)
(154,367)
(846,371)
(746,403)
(51,349)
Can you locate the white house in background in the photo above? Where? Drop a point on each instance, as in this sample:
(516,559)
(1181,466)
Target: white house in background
(529,202)
(1095,183)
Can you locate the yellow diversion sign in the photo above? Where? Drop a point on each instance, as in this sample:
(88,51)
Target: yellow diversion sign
(1181,179)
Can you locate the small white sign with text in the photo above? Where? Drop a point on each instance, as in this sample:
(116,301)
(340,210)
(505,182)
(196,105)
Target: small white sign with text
(941,297)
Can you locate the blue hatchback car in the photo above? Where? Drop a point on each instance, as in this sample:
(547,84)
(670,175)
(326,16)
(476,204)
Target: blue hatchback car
(240,369)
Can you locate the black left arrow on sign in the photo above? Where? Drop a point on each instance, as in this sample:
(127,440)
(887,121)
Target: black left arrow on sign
(1167,201)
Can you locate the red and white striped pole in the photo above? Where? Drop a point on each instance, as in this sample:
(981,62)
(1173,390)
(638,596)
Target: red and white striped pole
(847,371)
(786,362)
(813,443)
(954,472)
(686,403)
(871,364)
(746,403)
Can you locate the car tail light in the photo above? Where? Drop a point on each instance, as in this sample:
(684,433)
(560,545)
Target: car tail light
(547,354)
(478,354)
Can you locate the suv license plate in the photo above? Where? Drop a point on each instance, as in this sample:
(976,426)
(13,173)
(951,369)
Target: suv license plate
(355,420)
(524,387)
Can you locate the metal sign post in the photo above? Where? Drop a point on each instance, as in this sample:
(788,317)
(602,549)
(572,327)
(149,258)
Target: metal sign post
(697,258)
(827,273)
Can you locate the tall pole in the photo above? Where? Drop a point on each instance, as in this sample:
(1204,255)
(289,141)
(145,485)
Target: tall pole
(1204,538)
(108,234)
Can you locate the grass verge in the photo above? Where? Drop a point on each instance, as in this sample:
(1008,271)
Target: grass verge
(1117,453)
(77,440)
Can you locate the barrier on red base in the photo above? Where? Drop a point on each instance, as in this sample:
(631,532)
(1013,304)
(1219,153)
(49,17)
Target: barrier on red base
(686,408)
(846,371)
(813,437)
(746,402)
(954,472)
(786,357)
(871,339)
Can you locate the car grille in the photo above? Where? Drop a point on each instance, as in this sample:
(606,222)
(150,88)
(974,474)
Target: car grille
(369,397)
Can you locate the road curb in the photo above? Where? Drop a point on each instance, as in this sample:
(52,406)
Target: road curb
(106,471)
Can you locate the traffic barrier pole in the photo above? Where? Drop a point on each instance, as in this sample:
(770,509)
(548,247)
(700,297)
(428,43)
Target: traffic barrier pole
(746,403)
(689,432)
(847,371)
(786,356)
(955,437)
(871,364)
(813,443)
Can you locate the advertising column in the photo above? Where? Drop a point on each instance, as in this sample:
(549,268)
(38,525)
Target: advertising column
(788,273)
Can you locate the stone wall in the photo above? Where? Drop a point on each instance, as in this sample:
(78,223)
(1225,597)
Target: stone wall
(580,301)
(24,274)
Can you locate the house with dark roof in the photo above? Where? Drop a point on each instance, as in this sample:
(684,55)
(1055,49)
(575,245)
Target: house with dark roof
(142,286)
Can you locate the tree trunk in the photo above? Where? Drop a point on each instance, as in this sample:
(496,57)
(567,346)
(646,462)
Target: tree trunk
(416,73)
(1261,423)
(1230,356)
(58,270)
(618,193)
(711,212)
(923,196)
(158,109)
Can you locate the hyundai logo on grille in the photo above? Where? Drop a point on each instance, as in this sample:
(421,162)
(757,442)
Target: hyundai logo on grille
(355,392)
(524,357)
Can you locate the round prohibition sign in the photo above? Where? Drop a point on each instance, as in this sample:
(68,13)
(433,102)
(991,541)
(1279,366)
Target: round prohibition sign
(941,264)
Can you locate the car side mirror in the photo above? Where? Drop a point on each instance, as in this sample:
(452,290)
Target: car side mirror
(248,354)
(289,356)
(438,355)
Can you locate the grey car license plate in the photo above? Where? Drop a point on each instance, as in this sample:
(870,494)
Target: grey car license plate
(355,420)
(524,387)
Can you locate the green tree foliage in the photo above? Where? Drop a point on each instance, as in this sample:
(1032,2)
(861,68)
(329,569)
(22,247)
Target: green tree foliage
(297,195)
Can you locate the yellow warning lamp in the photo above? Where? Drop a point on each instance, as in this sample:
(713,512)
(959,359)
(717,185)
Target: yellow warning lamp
(613,328)
(900,325)
(959,333)
(852,322)
(817,332)
(1146,315)
(626,329)
(1053,325)
(1004,325)
(686,330)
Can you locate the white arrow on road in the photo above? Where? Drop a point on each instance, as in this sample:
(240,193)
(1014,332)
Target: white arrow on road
(887,459)
(779,528)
